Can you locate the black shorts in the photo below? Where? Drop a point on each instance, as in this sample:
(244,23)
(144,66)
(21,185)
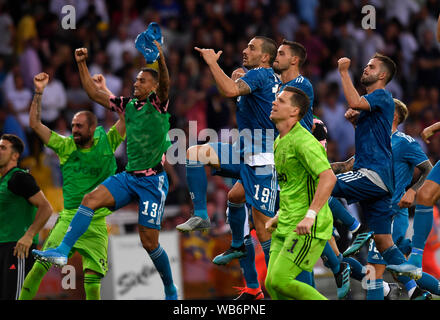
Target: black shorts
(13,271)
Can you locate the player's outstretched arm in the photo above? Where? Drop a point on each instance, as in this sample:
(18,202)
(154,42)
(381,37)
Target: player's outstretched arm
(40,82)
(355,101)
(428,132)
(226,86)
(164,77)
(93,91)
(99,81)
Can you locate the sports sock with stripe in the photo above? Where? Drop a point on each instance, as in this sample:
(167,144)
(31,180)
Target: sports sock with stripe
(197,185)
(375,289)
(247,264)
(33,279)
(77,227)
(265,245)
(162,264)
(92,286)
(423,219)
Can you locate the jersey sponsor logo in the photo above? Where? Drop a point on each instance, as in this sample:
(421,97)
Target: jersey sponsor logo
(88,171)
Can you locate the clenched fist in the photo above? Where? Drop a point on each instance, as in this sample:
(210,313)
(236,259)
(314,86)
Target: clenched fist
(81,54)
(40,81)
(343,64)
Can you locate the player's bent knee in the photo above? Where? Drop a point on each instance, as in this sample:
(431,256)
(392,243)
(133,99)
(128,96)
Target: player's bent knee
(92,201)
(235,197)
(98,198)
(426,197)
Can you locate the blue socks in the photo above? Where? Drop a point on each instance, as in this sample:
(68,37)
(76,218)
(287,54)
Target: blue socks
(162,264)
(331,260)
(393,255)
(237,218)
(416,257)
(77,227)
(197,185)
(247,264)
(266,248)
(341,213)
(306,277)
(375,289)
(429,283)
(423,219)
(410,287)
(357,269)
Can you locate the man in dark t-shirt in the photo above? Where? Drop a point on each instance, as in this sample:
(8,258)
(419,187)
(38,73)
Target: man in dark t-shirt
(24,212)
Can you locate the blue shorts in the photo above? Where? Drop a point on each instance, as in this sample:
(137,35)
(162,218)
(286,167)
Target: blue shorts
(400,225)
(374,201)
(150,191)
(434,174)
(259,182)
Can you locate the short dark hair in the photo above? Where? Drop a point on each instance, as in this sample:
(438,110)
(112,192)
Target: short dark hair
(90,116)
(268,46)
(151,71)
(297,50)
(389,65)
(299,99)
(17,143)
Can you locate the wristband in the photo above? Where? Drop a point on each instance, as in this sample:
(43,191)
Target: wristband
(311,214)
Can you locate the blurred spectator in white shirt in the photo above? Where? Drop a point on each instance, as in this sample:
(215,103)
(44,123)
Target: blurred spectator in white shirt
(54,99)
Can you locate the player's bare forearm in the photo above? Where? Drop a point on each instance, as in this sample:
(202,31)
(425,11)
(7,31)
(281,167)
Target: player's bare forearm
(35,118)
(164,79)
(44,211)
(327,181)
(354,100)
(226,86)
(341,167)
(120,125)
(96,94)
(425,168)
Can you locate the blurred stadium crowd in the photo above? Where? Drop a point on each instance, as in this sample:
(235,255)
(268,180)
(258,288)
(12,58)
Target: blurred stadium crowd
(32,40)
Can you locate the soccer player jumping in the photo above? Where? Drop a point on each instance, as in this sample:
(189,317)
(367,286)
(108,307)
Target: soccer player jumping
(144,178)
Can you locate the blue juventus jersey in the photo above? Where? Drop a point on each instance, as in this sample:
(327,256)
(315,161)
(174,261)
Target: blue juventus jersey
(303,84)
(253,111)
(407,154)
(373,137)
